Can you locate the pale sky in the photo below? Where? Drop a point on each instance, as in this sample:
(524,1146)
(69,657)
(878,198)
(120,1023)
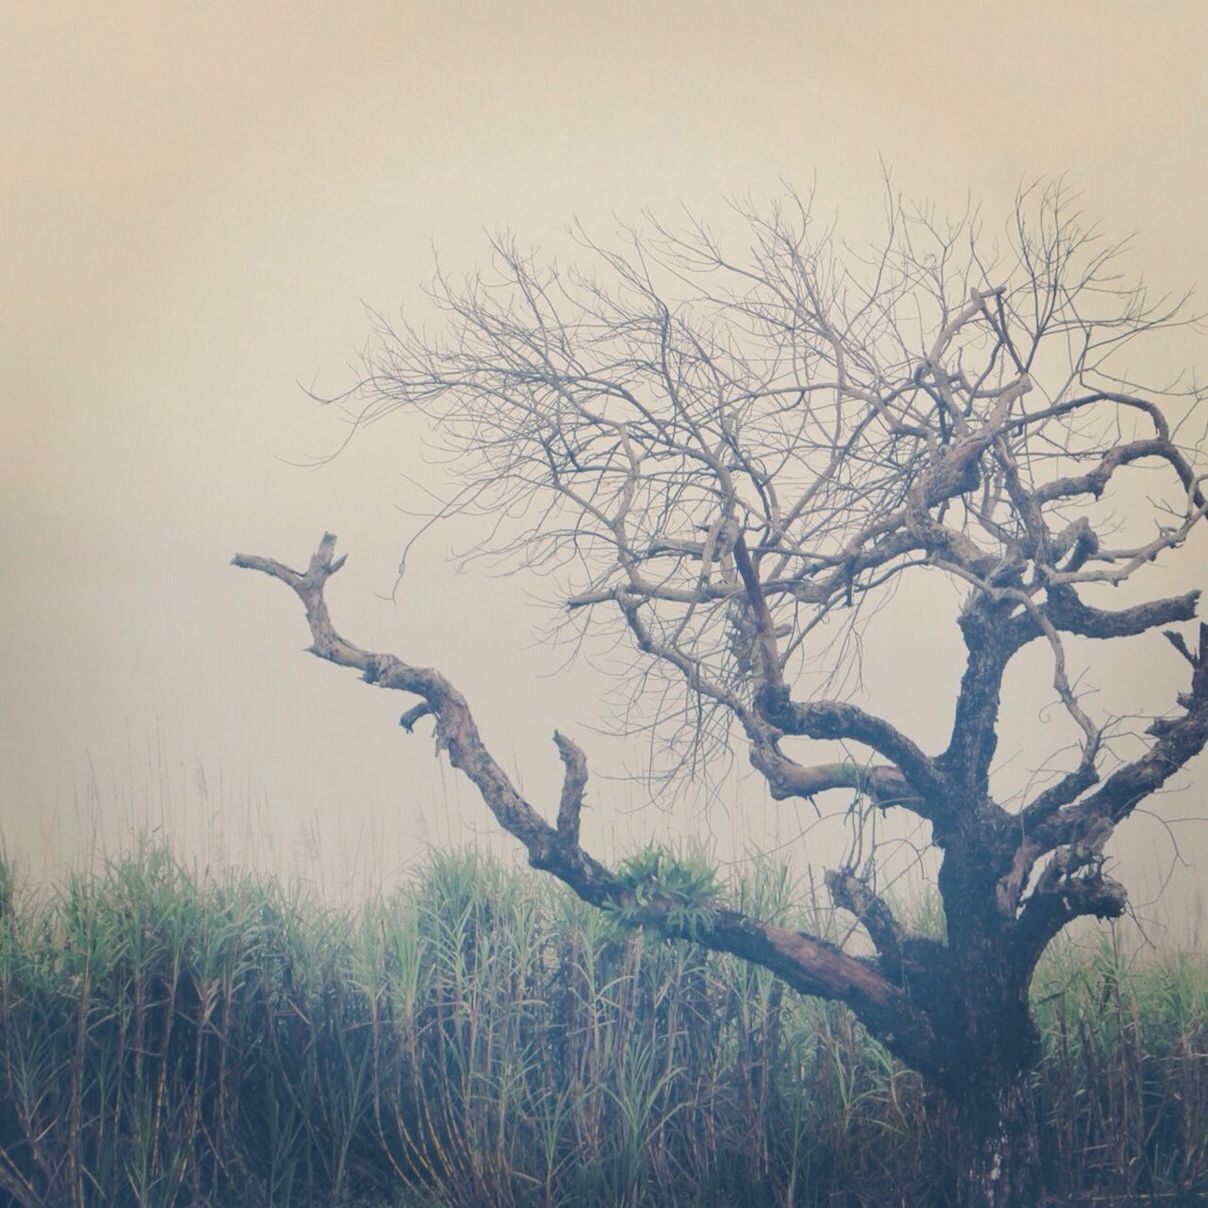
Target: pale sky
(198,201)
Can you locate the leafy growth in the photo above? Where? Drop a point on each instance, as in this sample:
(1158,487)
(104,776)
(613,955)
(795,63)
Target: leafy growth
(678,892)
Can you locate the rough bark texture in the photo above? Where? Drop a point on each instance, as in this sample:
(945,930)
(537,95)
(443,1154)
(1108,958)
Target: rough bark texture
(998,1160)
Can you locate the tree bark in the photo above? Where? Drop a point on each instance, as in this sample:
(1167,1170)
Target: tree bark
(997,1159)
(992,1042)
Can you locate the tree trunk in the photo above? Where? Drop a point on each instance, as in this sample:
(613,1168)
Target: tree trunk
(997,1161)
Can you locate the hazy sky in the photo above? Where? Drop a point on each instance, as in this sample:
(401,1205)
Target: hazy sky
(197,201)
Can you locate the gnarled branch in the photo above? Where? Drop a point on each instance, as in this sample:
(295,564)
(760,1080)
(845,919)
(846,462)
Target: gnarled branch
(809,964)
(853,893)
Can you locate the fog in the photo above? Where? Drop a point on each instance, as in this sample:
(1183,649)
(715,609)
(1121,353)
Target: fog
(201,202)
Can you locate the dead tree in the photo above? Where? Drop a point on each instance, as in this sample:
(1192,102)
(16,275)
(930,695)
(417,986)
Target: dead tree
(718,453)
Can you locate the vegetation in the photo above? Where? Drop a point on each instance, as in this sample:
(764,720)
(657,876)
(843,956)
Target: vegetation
(171,1037)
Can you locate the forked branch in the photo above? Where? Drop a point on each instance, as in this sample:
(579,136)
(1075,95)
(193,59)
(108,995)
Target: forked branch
(809,964)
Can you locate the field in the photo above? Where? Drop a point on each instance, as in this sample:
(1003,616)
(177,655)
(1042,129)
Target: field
(174,1037)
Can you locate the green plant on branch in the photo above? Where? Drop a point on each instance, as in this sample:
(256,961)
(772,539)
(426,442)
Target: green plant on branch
(677,893)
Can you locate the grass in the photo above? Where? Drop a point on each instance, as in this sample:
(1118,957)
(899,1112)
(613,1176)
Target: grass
(169,1037)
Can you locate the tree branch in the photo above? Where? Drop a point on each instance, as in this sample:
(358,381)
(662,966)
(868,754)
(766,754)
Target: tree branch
(1067,612)
(1094,481)
(1179,740)
(1069,898)
(853,893)
(989,645)
(1072,885)
(573,786)
(834,719)
(809,964)
(886,786)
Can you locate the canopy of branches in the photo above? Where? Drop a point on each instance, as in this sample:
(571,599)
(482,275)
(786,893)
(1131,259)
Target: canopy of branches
(689,436)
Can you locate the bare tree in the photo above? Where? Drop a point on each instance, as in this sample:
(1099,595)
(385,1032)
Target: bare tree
(718,453)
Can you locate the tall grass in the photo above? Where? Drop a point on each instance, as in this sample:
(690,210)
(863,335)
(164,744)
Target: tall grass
(480,1038)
